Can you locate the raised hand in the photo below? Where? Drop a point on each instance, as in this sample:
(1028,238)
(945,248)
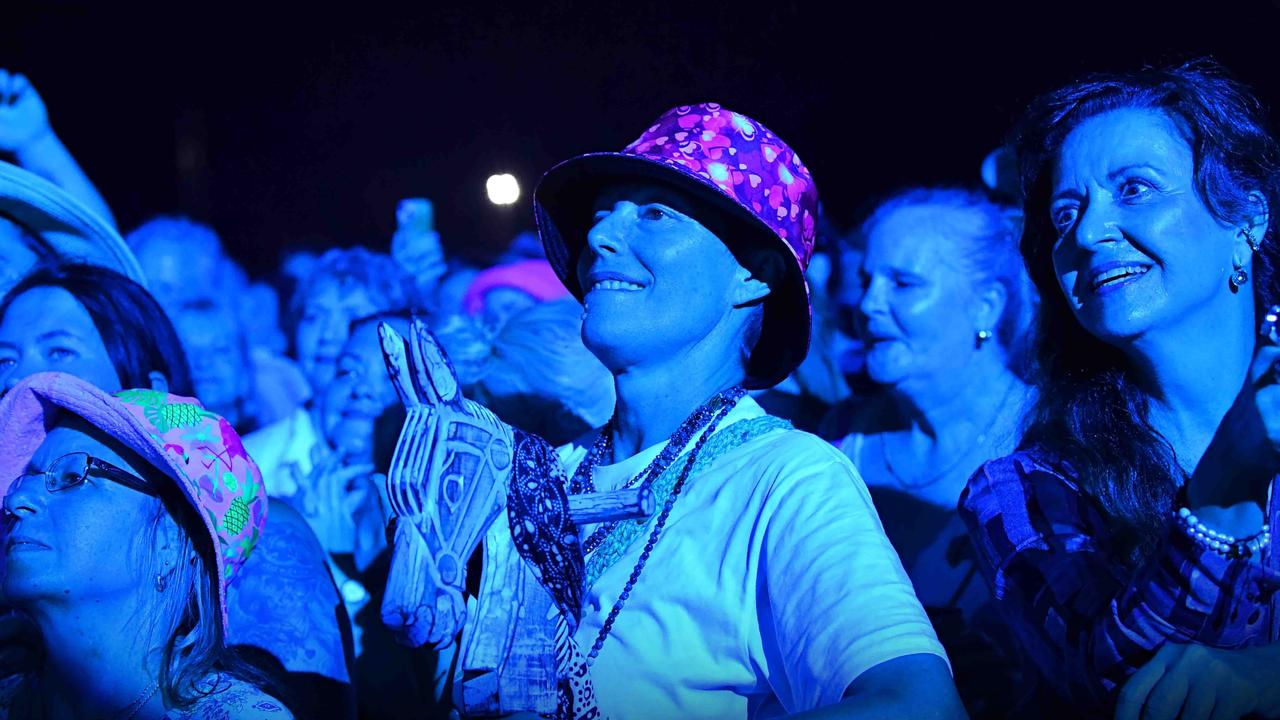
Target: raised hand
(446,485)
(23,118)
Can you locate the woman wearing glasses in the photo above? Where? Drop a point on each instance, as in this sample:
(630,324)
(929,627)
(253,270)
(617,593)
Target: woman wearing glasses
(127,517)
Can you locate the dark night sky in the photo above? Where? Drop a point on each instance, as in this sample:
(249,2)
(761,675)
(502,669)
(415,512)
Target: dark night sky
(306,127)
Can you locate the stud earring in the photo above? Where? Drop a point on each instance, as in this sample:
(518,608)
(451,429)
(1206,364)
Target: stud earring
(982,338)
(1238,278)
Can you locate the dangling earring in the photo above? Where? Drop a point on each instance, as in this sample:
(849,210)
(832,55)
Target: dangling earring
(162,582)
(1238,278)
(982,338)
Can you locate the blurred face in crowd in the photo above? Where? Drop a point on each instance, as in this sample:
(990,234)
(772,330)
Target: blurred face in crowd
(47,329)
(182,276)
(915,314)
(221,368)
(71,546)
(1138,249)
(500,304)
(324,325)
(16,257)
(359,393)
(656,281)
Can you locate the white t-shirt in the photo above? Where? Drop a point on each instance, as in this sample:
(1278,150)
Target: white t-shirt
(771,589)
(283,452)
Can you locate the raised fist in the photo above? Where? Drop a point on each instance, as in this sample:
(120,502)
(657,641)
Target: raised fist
(23,118)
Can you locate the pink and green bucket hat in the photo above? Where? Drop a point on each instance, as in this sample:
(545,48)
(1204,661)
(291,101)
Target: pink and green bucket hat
(763,192)
(198,449)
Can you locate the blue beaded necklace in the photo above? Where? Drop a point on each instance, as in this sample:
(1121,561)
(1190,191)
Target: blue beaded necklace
(708,415)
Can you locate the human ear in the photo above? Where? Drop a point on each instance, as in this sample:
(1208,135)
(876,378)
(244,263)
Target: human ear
(158,381)
(989,304)
(748,289)
(1253,229)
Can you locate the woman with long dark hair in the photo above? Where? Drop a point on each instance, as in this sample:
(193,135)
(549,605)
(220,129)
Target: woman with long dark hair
(1127,541)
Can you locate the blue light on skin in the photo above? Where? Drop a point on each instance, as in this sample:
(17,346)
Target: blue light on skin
(919,309)
(666,303)
(1124,196)
(359,393)
(323,328)
(72,568)
(666,306)
(918,317)
(47,329)
(221,368)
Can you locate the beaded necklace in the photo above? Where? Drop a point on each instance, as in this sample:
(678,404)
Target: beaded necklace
(709,413)
(583,482)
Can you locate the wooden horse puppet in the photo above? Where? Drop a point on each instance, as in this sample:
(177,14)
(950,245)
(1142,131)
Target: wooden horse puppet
(456,468)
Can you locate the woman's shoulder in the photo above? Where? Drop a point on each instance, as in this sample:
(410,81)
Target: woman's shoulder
(1024,494)
(233,699)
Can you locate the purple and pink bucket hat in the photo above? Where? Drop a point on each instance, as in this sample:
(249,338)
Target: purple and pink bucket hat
(766,197)
(198,449)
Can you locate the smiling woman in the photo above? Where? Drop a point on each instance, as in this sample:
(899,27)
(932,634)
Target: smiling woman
(1128,541)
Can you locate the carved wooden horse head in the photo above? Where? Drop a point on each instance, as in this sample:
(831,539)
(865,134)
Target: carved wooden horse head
(447,483)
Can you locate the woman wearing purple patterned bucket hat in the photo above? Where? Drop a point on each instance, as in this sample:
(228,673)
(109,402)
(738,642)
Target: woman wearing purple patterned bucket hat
(763,584)
(127,516)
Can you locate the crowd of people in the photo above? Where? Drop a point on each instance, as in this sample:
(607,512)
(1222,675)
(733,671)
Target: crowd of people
(1006,448)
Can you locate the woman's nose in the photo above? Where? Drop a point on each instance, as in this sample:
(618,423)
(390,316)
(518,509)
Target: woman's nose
(26,496)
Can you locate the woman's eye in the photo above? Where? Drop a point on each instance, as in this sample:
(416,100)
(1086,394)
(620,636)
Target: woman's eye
(59,354)
(7,362)
(1134,189)
(1064,217)
(653,212)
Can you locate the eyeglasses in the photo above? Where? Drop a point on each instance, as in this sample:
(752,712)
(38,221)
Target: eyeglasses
(72,469)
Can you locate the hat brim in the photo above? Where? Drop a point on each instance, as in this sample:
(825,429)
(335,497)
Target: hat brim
(31,409)
(563,203)
(70,230)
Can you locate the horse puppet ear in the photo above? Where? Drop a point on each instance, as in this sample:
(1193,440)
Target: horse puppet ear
(432,364)
(419,368)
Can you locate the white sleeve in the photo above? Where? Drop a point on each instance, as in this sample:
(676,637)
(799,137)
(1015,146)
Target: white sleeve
(835,598)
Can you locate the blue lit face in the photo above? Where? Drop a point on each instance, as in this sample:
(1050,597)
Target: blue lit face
(72,546)
(46,329)
(916,313)
(323,328)
(1138,249)
(221,369)
(656,280)
(359,393)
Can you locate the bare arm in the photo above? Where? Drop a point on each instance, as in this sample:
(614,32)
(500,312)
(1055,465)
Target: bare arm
(911,686)
(25,133)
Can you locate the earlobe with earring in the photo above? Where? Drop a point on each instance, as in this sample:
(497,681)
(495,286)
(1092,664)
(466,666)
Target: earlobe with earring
(982,337)
(1241,276)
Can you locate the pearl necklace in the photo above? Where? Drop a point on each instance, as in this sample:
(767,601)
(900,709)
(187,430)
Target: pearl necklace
(1230,546)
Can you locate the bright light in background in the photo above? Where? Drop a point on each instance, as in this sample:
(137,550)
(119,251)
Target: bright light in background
(502,189)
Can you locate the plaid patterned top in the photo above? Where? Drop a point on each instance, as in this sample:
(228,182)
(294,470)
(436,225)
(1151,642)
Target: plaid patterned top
(1079,615)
